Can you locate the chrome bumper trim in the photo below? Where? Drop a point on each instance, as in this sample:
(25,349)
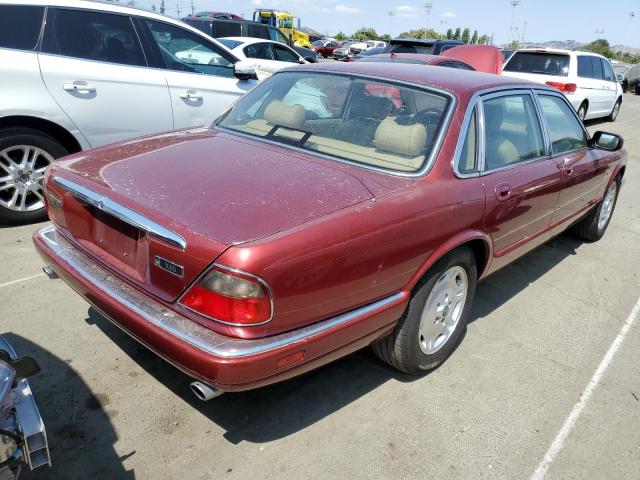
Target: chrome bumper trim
(181,327)
(30,424)
(120,212)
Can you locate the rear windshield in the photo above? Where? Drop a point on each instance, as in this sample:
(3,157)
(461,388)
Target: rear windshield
(230,44)
(423,49)
(542,63)
(366,121)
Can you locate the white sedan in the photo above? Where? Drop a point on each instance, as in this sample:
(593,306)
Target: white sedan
(266,56)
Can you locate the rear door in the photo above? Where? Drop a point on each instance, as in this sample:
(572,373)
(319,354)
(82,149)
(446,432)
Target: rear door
(94,66)
(199,73)
(522,183)
(262,56)
(583,171)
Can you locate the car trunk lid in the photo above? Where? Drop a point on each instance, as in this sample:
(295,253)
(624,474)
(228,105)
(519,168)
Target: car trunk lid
(158,211)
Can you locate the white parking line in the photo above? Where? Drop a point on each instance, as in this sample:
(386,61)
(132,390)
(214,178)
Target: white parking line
(13,282)
(561,437)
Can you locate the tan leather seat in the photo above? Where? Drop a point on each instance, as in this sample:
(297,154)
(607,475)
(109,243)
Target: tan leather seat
(291,116)
(405,140)
(499,150)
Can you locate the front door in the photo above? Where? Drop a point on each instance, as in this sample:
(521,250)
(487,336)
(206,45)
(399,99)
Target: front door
(94,67)
(583,170)
(522,184)
(199,73)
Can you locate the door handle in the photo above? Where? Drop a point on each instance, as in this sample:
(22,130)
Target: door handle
(568,171)
(503,191)
(190,95)
(78,86)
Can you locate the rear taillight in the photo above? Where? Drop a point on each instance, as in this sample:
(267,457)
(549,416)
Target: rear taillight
(230,297)
(563,87)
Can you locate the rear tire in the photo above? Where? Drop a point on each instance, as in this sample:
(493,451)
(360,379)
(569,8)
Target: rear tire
(435,320)
(21,194)
(592,227)
(614,113)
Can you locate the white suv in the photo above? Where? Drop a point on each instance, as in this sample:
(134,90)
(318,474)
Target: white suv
(586,78)
(78,74)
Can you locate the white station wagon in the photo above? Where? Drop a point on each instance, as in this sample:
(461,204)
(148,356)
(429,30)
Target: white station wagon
(586,78)
(80,74)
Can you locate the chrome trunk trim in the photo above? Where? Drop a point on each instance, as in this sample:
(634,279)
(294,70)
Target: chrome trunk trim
(179,326)
(121,212)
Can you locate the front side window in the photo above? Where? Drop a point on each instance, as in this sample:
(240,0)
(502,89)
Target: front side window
(259,50)
(607,71)
(185,52)
(512,131)
(99,36)
(542,63)
(344,117)
(283,54)
(20,26)
(565,131)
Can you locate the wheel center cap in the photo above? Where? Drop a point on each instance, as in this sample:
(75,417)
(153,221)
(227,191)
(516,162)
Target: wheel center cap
(24,178)
(445,312)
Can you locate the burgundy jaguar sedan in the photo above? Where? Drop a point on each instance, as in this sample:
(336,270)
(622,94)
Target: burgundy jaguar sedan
(333,207)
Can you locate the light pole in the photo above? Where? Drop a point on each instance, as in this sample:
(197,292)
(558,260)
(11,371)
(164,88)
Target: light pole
(626,42)
(598,33)
(514,4)
(428,6)
(391,14)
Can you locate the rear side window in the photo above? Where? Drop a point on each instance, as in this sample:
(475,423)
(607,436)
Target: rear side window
(512,131)
(20,26)
(585,66)
(97,36)
(468,158)
(565,130)
(596,64)
(542,63)
(258,50)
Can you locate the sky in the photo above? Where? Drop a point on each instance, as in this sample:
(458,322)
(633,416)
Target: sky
(546,20)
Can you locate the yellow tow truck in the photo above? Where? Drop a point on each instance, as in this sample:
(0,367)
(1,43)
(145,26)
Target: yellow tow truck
(285,22)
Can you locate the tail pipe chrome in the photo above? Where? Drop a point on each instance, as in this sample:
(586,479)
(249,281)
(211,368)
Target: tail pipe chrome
(49,272)
(204,392)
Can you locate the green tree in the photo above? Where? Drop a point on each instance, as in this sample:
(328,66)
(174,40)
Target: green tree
(421,33)
(466,35)
(386,38)
(513,45)
(365,33)
(162,7)
(458,34)
(483,40)
(340,36)
(474,37)
(601,47)
(153,7)
(449,33)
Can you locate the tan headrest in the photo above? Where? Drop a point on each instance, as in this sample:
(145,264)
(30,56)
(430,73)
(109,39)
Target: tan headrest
(407,140)
(278,113)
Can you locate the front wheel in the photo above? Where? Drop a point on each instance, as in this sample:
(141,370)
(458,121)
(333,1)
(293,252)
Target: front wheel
(24,156)
(436,318)
(614,113)
(592,227)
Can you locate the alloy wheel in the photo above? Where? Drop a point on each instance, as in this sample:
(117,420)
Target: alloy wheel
(443,309)
(607,206)
(22,170)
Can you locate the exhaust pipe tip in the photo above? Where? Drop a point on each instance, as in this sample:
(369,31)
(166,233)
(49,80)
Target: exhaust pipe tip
(49,272)
(204,392)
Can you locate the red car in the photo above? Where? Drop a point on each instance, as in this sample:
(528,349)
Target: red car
(315,218)
(325,47)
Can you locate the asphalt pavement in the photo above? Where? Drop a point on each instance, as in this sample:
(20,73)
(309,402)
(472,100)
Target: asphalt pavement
(542,331)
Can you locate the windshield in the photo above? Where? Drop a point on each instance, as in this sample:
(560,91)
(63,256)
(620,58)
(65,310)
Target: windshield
(374,123)
(542,63)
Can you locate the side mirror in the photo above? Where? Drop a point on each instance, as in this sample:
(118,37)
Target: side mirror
(244,70)
(607,141)
(620,78)
(302,61)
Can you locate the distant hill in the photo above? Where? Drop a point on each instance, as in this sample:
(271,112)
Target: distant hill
(573,45)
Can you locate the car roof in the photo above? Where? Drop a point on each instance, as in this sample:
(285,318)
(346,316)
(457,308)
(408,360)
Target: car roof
(249,40)
(559,51)
(464,83)
(418,57)
(113,8)
(422,41)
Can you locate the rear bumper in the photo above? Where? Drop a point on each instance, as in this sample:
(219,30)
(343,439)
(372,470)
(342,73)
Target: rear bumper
(224,362)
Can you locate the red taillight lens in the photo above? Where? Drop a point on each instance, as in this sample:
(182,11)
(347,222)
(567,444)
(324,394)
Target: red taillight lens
(563,87)
(229,297)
